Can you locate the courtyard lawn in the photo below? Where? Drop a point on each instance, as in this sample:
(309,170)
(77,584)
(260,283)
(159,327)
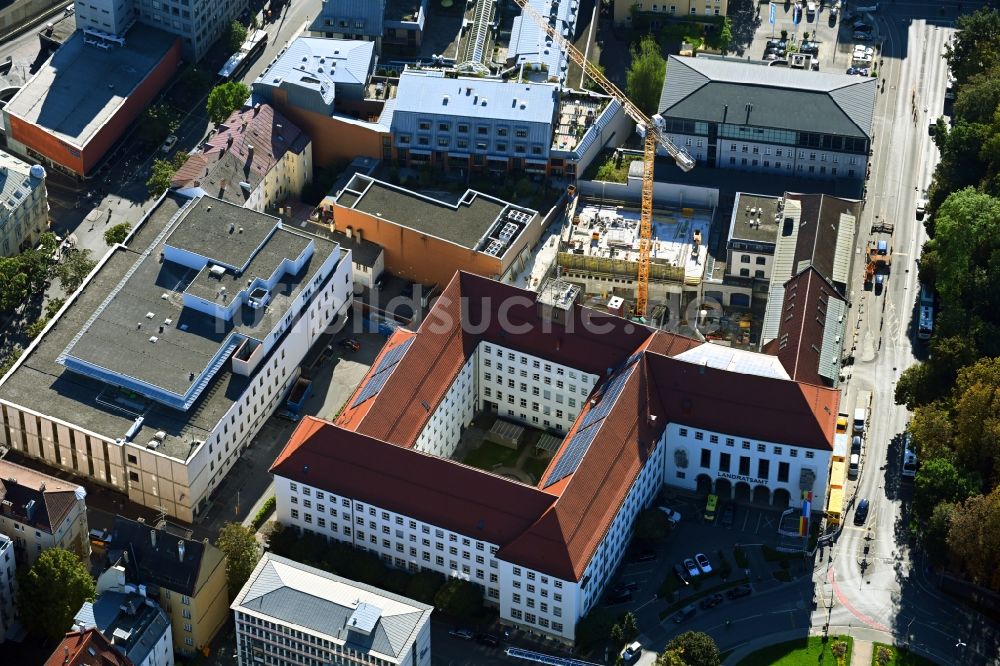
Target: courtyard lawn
(801,652)
(536,467)
(900,657)
(490,455)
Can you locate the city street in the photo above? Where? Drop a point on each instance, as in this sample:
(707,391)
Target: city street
(871,580)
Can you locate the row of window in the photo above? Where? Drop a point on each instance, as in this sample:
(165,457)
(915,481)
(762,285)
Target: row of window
(745,444)
(788,167)
(763,466)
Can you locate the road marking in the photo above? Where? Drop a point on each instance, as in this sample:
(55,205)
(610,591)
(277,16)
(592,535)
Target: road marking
(873,624)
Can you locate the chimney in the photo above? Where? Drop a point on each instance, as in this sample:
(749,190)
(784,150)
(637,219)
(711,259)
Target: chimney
(180,550)
(249,151)
(152,537)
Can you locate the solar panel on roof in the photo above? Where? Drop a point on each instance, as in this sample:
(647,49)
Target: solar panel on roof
(382,372)
(608,397)
(573,454)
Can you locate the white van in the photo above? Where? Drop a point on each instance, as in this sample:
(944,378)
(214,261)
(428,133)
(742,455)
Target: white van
(854,466)
(860,416)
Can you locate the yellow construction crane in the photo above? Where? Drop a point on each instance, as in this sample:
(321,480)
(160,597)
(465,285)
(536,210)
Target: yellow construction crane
(652,134)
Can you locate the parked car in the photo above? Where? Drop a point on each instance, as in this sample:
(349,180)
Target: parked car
(629,586)
(711,601)
(856,444)
(464,634)
(681,572)
(728,514)
(703,563)
(863,50)
(685,613)
(691,568)
(673,517)
(854,466)
(711,504)
(861,513)
(842,420)
(861,26)
(488,640)
(287,415)
(169,143)
(739,591)
(862,36)
(863,71)
(921,208)
(631,652)
(351,344)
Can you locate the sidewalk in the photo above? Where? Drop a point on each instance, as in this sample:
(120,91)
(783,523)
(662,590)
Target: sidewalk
(862,654)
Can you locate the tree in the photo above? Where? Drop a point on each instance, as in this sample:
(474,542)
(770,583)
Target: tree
(932,432)
(651,525)
(617,635)
(644,79)
(162,173)
(589,84)
(74,269)
(117,234)
(226,98)
(725,37)
(696,648)
(978,98)
(239,544)
(52,591)
(975,47)
(883,655)
(671,657)
(460,598)
(423,585)
(53,306)
(630,628)
(977,419)
(236,34)
(938,481)
(13,283)
(36,328)
(974,538)
(157,122)
(594,627)
(935,534)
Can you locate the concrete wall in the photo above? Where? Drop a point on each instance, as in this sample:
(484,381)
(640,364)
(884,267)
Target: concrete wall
(334,139)
(22,11)
(415,255)
(672,194)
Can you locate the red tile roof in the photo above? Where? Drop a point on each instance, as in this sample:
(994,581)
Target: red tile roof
(554,528)
(225,160)
(86,648)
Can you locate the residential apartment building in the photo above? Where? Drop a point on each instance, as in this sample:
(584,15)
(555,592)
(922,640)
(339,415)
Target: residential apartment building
(653,409)
(184,577)
(86,647)
(134,624)
(396,23)
(324,87)
(113,17)
(653,10)
(734,114)
(531,47)
(38,511)
(257,159)
(8,587)
(24,205)
(165,365)
(290,613)
(461,122)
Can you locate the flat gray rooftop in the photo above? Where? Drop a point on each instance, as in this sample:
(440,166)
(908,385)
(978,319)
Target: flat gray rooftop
(463,224)
(81,87)
(754,218)
(225,232)
(42,384)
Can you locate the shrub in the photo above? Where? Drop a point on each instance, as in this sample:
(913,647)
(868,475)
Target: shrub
(266,510)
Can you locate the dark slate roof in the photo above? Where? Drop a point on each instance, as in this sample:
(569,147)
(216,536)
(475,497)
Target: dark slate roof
(156,561)
(363,251)
(365,618)
(53,498)
(779,97)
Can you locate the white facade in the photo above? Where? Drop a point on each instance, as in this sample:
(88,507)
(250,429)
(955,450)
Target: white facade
(8,586)
(753,465)
(109,16)
(181,486)
(530,389)
(528,598)
(24,207)
(746,155)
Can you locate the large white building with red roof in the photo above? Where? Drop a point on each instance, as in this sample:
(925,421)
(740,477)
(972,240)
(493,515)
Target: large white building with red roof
(638,408)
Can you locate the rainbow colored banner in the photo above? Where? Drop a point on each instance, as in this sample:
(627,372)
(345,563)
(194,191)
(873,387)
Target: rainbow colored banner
(807,498)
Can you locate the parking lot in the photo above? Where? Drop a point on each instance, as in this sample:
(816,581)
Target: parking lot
(834,36)
(739,553)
